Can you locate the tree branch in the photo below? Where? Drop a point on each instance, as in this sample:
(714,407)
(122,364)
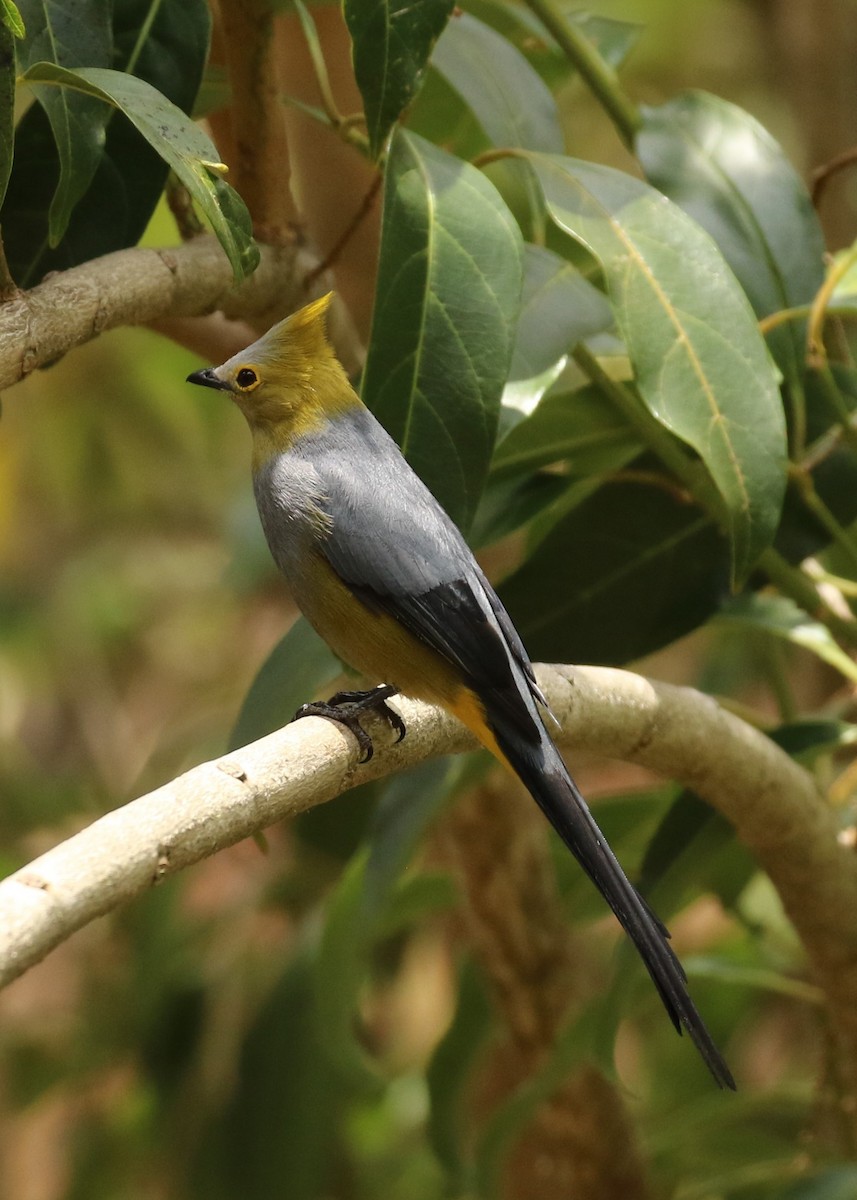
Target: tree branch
(261,166)
(770,800)
(133,287)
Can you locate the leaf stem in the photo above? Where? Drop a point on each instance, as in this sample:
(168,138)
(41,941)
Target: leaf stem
(818,310)
(8,286)
(345,127)
(791,581)
(794,582)
(598,75)
(655,436)
(142,36)
(803,481)
(799,313)
(779,679)
(833,398)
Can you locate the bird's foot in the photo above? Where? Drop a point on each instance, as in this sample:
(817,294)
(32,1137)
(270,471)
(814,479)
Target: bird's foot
(346,708)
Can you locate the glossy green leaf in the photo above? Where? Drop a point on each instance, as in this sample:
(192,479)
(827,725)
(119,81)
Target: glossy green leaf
(392,41)
(439,114)
(801,533)
(509,502)
(184,146)
(339,976)
(449,1072)
(579,428)
(521,397)
(613,39)
(699,360)
(559,308)
(806,739)
(845,290)
(780,617)
(628,548)
(828,1183)
(69,36)
(507,97)
(449,284)
(10,15)
(726,171)
(681,858)
(359,908)
(408,805)
(7,105)
(131,174)
(415,899)
(291,675)
(760,979)
(278,1118)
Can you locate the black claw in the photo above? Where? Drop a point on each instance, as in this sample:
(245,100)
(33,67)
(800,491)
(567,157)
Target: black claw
(346,708)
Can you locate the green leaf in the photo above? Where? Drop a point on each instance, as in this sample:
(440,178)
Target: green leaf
(449,284)
(559,308)
(577,427)
(392,41)
(291,674)
(699,359)
(828,1183)
(359,909)
(7,105)
(845,291)
(279,1115)
(807,739)
(69,36)
(682,856)
(184,146)
(339,973)
(509,502)
(627,548)
(508,98)
(416,898)
(11,17)
(449,1072)
(726,171)
(130,178)
(759,978)
(780,617)
(834,473)
(613,39)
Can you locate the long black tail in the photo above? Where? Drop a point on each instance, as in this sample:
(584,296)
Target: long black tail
(544,774)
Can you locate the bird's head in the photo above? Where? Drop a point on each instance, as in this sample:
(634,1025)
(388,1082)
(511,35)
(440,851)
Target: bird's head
(289,381)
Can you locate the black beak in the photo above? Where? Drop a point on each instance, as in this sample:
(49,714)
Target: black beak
(207,378)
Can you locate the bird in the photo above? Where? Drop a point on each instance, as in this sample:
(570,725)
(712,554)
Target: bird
(387,579)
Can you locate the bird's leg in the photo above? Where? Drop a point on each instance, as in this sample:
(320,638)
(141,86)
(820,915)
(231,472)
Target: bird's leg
(348,707)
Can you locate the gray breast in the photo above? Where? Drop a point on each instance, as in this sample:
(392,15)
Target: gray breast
(289,494)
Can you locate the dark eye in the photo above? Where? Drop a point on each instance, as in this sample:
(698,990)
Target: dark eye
(246,378)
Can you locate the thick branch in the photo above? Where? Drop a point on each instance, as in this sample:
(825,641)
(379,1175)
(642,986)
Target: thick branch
(261,166)
(132,287)
(771,801)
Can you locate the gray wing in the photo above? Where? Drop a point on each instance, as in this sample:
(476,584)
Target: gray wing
(400,553)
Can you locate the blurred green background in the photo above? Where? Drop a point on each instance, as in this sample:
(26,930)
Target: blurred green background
(166,1050)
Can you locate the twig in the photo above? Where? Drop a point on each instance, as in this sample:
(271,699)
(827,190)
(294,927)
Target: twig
(261,168)
(772,802)
(822,175)
(348,232)
(133,287)
(596,72)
